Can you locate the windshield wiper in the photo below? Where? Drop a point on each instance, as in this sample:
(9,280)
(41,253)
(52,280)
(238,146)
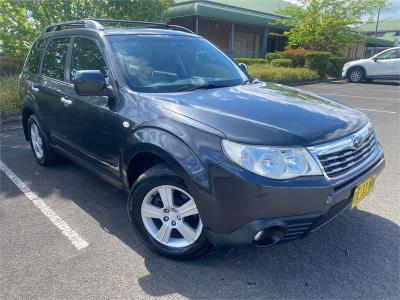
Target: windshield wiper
(200,87)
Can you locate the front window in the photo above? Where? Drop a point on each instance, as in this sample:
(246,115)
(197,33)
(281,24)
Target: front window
(164,63)
(390,54)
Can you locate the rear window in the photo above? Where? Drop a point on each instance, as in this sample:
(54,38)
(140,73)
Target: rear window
(33,61)
(54,60)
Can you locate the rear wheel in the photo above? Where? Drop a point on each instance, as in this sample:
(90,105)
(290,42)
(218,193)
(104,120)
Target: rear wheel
(165,214)
(356,74)
(44,155)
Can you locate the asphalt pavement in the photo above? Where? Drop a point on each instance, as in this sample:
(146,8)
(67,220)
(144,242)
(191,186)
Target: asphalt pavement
(354,256)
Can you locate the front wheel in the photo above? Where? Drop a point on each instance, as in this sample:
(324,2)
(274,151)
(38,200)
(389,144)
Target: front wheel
(165,215)
(356,75)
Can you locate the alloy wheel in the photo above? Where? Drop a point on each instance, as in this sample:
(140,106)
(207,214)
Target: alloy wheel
(171,217)
(355,76)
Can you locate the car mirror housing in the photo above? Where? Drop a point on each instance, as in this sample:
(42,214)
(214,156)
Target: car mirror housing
(243,67)
(90,83)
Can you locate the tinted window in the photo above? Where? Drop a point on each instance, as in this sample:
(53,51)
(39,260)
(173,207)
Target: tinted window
(171,63)
(86,56)
(54,60)
(33,62)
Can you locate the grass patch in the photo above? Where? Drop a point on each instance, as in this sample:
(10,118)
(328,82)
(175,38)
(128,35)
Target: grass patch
(10,103)
(280,74)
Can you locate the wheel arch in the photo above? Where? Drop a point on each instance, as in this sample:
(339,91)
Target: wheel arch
(146,147)
(356,66)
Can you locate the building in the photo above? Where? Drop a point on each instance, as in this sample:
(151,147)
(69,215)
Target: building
(387,36)
(241,28)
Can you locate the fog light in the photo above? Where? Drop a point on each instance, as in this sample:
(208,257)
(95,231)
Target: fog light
(258,235)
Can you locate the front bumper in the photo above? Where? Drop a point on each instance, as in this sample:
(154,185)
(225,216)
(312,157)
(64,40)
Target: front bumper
(236,204)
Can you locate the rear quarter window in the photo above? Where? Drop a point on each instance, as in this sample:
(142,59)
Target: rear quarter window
(55,57)
(35,56)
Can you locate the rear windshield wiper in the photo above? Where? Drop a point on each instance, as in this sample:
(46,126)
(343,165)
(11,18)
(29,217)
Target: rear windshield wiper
(200,87)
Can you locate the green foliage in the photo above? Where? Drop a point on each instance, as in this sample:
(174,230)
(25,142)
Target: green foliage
(10,102)
(11,65)
(281,75)
(319,62)
(250,61)
(282,62)
(336,65)
(326,25)
(273,55)
(298,56)
(22,20)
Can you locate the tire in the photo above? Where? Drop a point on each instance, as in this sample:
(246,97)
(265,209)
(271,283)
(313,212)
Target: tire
(40,146)
(160,226)
(356,74)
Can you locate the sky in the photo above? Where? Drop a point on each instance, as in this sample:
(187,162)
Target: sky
(393,12)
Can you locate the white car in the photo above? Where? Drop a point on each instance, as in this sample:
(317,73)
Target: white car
(384,65)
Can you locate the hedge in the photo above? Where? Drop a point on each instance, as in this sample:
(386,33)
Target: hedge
(336,65)
(273,55)
(250,61)
(11,65)
(10,103)
(282,62)
(319,62)
(282,75)
(298,56)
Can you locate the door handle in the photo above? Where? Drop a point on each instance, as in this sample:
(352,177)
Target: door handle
(66,101)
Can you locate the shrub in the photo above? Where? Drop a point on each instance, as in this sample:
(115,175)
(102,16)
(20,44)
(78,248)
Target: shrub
(282,75)
(10,103)
(250,61)
(336,65)
(298,56)
(282,62)
(11,65)
(319,62)
(273,55)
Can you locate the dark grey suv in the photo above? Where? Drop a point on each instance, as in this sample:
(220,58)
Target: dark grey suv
(208,154)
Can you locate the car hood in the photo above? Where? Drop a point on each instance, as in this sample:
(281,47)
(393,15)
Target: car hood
(359,61)
(266,113)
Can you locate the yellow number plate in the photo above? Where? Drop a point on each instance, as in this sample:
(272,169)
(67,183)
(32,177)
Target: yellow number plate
(363,190)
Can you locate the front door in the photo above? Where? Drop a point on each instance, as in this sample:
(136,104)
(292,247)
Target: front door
(386,64)
(94,131)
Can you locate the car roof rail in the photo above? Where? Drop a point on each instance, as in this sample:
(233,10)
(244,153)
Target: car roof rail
(96,23)
(141,24)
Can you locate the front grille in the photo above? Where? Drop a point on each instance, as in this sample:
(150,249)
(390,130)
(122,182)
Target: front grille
(339,157)
(339,162)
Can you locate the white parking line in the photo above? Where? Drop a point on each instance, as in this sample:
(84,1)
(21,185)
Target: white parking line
(377,110)
(72,235)
(392,99)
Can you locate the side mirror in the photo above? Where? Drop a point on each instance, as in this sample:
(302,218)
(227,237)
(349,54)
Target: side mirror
(375,59)
(90,83)
(243,67)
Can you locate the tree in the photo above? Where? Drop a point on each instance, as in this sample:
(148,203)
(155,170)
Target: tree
(21,21)
(326,25)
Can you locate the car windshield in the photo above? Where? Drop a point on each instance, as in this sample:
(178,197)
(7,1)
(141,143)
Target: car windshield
(168,63)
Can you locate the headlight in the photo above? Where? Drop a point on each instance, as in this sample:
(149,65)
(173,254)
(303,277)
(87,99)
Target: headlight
(272,162)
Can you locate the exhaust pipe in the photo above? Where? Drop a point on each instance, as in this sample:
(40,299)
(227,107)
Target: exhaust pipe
(269,236)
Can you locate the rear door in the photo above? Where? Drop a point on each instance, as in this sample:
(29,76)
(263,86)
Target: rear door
(30,78)
(94,128)
(52,87)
